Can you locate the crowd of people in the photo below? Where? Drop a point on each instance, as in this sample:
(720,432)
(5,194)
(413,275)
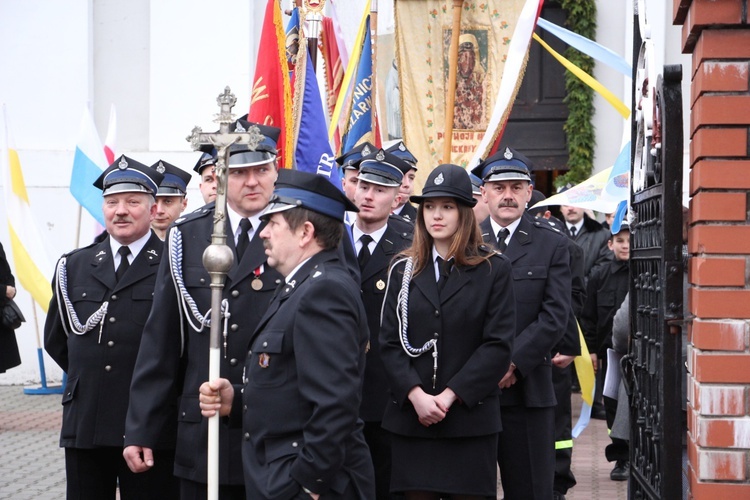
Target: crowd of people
(377,344)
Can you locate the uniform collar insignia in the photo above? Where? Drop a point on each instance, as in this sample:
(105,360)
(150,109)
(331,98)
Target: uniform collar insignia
(153,252)
(317,273)
(101,252)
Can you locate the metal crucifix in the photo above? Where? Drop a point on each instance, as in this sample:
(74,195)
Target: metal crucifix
(218,257)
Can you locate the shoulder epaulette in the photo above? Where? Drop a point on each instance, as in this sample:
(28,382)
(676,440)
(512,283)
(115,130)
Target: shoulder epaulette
(401,225)
(76,250)
(196,214)
(544,223)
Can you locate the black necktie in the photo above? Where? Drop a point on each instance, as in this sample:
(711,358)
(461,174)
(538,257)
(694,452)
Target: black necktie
(244,239)
(501,235)
(573,232)
(364,252)
(124,251)
(445,270)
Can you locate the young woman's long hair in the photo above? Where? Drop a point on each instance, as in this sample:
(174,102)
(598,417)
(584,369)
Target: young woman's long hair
(466,248)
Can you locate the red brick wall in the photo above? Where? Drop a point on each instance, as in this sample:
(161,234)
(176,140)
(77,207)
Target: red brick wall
(717,34)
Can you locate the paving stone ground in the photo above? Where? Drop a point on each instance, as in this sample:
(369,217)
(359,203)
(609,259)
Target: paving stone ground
(32,465)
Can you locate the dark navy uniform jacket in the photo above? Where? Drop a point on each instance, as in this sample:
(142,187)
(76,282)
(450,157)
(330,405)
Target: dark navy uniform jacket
(300,402)
(473,319)
(396,238)
(540,259)
(173,359)
(95,399)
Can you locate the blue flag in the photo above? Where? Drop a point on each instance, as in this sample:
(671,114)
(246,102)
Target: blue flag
(313,152)
(359,127)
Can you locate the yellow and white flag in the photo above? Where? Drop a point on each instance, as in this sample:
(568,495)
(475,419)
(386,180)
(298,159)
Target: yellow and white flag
(32,266)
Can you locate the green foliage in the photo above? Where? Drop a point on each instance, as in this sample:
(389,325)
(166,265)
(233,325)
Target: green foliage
(581,16)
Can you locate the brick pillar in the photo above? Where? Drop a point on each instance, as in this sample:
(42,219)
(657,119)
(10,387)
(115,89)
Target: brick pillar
(717,33)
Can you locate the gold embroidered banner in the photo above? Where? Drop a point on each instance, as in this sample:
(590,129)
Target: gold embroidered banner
(423,37)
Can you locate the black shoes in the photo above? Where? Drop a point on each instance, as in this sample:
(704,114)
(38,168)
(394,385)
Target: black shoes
(621,472)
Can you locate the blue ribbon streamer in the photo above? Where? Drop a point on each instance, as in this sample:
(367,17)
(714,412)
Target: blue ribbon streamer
(588,47)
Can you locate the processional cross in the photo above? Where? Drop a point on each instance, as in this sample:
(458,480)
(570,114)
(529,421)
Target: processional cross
(218,257)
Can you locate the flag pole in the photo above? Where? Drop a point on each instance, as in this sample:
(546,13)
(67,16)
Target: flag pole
(44,389)
(313,17)
(450,97)
(373,82)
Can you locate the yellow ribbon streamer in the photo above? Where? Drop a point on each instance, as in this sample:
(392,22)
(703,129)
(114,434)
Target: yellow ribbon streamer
(350,69)
(588,80)
(585,370)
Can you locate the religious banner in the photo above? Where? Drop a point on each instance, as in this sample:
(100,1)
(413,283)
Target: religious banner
(423,38)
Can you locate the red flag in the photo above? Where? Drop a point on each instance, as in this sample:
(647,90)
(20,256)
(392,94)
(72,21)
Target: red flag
(271,99)
(333,68)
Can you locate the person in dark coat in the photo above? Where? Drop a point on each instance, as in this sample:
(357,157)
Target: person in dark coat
(446,339)
(173,359)
(563,355)
(540,258)
(378,237)
(300,398)
(606,291)
(102,297)
(9,355)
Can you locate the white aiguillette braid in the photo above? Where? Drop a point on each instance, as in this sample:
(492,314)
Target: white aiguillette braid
(75,325)
(175,262)
(402,314)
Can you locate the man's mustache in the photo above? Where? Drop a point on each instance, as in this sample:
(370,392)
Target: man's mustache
(511,204)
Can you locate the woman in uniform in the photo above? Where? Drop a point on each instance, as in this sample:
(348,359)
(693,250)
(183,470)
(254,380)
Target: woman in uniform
(446,336)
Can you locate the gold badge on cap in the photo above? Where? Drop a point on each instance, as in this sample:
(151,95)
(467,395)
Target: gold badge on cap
(439,179)
(380,285)
(123,164)
(264,359)
(508,155)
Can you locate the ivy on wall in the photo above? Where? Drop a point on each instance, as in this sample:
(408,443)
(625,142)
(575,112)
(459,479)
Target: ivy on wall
(581,15)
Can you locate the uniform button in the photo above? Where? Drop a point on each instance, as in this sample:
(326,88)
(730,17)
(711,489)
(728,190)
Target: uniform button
(294,444)
(247,436)
(233,362)
(110,343)
(244,381)
(244,408)
(437,313)
(114,297)
(112,319)
(249,353)
(234,327)
(183,413)
(235,293)
(278,280)
(107,368)
(83,294)
(203,280)
(436,334)
(69,393)
(530,273)
(265,344)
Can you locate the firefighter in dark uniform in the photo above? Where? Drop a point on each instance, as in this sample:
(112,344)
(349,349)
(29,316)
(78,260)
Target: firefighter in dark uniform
(102,297)
(409,168)
(540,259)
(173,360)
(378,238)
(563,355)
(205,167)
(299,402)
